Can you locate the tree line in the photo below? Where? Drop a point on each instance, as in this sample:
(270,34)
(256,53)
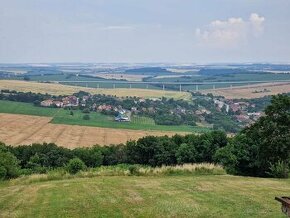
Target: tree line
(262,149)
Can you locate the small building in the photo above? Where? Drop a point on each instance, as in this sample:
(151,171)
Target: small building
(58,103)
(70,101)
(47,103)
(122,118)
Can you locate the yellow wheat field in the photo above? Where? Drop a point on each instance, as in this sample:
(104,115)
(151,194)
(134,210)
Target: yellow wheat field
(58,89)
(24,129)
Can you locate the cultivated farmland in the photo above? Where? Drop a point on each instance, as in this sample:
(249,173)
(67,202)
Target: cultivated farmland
(61,116)
(251,91)
(58,89)
(24,129)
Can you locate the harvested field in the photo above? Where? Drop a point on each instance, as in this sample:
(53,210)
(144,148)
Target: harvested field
(251,91)
(25,129)
(58,89)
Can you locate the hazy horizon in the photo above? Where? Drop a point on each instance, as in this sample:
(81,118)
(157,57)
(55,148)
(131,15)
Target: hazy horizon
(142,32)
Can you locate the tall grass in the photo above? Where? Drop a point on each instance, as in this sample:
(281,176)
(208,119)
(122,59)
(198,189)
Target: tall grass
(125,170)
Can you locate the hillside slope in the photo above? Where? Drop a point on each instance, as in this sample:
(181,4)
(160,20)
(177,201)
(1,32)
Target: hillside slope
(130,196)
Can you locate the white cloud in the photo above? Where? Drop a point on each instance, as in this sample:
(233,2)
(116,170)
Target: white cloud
(257,24)
(232,32)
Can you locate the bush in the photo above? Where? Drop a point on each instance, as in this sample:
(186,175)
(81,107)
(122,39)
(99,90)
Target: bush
(86,117)
(9,167)
(75,165)
(134,170)
(86,110)
(3,172)
(279,170)
(185,154)
(92,157)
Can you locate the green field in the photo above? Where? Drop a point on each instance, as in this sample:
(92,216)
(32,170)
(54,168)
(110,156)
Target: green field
(241,77)
(61,116)
(25,108)
(77,81)
(144,196)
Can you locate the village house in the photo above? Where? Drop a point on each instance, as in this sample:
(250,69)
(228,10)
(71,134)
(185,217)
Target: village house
(58,103)
(104,107)
(243,118)
(47,103)
(70,101)
(235,107)
(134,109)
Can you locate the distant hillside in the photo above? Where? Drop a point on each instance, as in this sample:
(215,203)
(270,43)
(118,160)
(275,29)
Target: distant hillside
(150,71)
(216,72)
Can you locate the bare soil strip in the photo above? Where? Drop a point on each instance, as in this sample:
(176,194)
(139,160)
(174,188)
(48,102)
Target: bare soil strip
(25,130)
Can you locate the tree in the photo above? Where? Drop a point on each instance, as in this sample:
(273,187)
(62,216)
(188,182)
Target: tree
(75,165)
(9,167)
(186,154)
(92,157)
(266,144)
(26,78)
(271,133)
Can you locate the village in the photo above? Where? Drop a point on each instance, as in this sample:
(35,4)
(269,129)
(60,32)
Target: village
(241,112)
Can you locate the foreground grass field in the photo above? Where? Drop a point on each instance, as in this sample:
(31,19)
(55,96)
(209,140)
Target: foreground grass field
(61,116)
(151,196)
(58,89)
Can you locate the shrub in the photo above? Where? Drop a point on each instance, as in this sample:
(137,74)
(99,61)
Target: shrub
(185,154)
(86,110)
(9,167)
(92,157)
(3,172)
(134,170)
(75,165)
(279,170)
(86,117)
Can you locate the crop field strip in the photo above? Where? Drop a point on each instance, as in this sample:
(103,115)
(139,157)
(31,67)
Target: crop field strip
(25,129)
(248,92)
(58,89)
(61,116)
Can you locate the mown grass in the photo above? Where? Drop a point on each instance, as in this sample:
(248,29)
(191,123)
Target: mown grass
(144,196)
(26,108)
(99,120)
(61,116)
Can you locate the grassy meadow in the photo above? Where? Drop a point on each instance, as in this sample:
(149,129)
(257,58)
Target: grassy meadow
(26,109)
(61,116)
(144,196)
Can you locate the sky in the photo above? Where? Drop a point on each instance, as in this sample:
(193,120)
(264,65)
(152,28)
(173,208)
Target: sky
(144,31)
